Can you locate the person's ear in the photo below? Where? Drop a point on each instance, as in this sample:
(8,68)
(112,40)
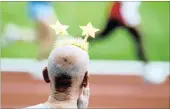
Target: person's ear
(85,80)
(45,75)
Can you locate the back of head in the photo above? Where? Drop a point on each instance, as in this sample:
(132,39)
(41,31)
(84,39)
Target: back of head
(67,66)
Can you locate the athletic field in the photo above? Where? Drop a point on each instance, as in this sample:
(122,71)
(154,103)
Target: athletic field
(154,28)
(114,82)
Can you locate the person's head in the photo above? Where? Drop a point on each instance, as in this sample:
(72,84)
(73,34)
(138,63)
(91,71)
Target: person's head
(67,71)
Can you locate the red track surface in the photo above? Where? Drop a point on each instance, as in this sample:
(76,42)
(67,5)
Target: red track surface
(21,89)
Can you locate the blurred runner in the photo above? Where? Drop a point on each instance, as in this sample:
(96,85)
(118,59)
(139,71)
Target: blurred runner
(42,13)
(126,14)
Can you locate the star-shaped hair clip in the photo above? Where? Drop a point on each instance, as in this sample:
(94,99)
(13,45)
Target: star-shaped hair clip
(88,30)
(60,29)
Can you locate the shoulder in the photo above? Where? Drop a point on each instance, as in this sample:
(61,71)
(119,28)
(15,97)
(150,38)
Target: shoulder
(36,106)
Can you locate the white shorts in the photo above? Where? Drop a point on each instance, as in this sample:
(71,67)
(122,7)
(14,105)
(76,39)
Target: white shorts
(130,13)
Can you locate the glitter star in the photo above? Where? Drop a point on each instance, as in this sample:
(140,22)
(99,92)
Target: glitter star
(88,30)
(60,29)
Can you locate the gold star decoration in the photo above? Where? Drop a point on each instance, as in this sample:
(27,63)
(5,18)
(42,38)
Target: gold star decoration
(60,29)
(88,30)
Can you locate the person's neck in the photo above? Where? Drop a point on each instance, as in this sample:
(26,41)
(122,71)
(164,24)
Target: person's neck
(61,101)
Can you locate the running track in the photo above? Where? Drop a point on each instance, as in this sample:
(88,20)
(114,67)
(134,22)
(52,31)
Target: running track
(110,91)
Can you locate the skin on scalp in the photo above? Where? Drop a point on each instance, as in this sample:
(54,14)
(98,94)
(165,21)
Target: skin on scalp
(72,62)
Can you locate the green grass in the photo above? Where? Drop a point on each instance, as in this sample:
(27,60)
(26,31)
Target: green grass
(119,46)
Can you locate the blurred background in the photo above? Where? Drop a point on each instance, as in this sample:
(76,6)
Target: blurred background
(118,79)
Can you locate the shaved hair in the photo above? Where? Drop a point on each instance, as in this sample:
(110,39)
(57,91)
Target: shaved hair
(66,63)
